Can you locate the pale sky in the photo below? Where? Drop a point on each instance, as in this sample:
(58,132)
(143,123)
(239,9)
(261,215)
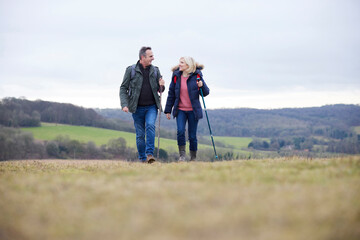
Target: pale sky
(257,54)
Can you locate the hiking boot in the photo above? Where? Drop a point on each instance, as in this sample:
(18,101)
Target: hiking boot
(182,153)
(150,159)
(192,155)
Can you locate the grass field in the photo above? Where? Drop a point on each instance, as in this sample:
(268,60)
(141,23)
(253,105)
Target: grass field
(235,142)
(286,198)
(100,136)
(357,129)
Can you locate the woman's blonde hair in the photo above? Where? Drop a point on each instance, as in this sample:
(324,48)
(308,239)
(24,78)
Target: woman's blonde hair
(191,63)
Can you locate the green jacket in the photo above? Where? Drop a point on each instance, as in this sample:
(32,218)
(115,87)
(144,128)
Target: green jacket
(130,88)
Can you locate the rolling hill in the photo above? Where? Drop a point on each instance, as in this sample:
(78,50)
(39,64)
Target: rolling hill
(49,131)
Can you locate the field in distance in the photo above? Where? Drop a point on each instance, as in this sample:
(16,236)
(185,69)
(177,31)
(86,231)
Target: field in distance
(100,136)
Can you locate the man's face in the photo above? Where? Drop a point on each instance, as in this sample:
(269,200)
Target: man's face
(148,58)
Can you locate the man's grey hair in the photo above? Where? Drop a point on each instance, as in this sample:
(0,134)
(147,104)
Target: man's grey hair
(142,51)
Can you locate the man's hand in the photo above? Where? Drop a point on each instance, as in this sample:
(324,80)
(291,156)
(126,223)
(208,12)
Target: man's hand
(161,82)
(168,115)
(125,109)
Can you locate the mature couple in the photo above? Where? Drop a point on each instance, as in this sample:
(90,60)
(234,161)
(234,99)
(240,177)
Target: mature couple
(139,94)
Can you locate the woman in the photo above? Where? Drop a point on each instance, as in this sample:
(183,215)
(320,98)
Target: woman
(183,100)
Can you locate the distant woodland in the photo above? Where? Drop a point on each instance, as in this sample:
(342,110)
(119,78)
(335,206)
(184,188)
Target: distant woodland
(24,113)
(332,121)
(330,128)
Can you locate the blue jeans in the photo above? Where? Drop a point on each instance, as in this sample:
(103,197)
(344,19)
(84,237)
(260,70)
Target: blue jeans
(144,122)
(181,119)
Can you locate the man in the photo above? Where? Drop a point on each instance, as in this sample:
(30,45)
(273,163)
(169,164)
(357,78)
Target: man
(139,95)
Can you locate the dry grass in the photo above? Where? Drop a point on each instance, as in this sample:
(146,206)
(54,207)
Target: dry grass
(259,199)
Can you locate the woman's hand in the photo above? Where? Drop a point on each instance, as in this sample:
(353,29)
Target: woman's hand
(168,115)
(200,83)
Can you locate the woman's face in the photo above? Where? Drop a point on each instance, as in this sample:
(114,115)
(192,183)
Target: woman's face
(182,65)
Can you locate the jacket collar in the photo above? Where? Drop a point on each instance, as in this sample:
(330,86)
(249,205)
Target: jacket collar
(139,67)
(178,73)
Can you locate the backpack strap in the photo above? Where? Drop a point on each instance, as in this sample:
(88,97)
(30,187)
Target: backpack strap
(155,72)
(174,79)
(132,75)
(132,71)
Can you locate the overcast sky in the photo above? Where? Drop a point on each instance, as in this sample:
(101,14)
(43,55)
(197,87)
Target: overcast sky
(257,54)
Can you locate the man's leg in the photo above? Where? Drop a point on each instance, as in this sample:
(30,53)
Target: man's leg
(150,119)
(139,123)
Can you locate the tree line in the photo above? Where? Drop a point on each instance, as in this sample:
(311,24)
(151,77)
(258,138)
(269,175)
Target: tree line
(349,145)
(317,129)
(328,128)
(16,144)
(331,121)
(16,112)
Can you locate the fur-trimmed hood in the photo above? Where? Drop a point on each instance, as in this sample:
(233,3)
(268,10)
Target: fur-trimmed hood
(198,67)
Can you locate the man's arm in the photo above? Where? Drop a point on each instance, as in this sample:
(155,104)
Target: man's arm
(124,88)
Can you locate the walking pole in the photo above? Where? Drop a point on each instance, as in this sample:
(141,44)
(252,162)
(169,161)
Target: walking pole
(212,139)
(157,155)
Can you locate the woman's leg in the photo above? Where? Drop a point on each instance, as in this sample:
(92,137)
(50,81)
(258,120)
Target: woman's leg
(193,123)
(181,122)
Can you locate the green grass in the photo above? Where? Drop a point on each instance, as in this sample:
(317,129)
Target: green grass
(49,131)
(273,199)
(357,129)
(234,142)
(100,136)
